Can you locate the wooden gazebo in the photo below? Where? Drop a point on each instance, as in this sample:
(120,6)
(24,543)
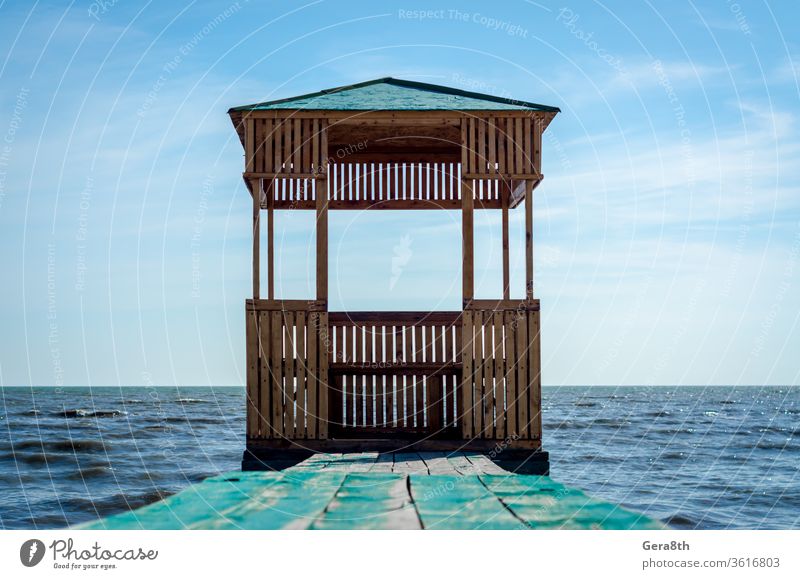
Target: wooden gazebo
(324,381)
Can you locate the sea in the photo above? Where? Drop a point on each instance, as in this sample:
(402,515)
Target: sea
(692,457)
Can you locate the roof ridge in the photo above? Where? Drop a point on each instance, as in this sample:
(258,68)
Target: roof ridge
(429,87)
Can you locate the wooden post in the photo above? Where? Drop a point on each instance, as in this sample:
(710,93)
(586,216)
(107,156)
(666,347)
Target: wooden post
(505,194)
(528,239)
(255,186)
(322,238)
(270,240)
(467,221)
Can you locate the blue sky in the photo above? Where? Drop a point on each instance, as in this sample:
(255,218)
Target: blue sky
(667,228)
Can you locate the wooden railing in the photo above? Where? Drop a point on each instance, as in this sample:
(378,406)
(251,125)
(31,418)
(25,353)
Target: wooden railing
(394,372)
(381,185)
(287,369)
(472,374)
(501,379)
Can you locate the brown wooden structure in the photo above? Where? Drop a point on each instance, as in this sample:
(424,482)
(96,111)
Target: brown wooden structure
(380,381)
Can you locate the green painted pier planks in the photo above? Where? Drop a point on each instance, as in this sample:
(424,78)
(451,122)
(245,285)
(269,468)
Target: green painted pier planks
(381,491)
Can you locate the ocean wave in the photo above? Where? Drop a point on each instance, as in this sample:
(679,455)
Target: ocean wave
(71,445)
(191,401)
(81,413)
(91,472)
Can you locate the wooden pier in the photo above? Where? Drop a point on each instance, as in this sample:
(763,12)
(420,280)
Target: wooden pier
(324,381)
(381,491)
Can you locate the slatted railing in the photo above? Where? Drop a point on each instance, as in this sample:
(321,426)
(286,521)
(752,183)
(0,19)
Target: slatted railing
(360,185)
(394,373)
(501,383)
(287,354)
(472,374)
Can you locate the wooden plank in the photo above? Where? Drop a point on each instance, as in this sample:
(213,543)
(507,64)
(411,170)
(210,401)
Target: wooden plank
(501,146)
(277,144)
(315,146)
(478,365)
(306,142)
(265,380)
(535,365)
(288,147)
(323,371)
(253,361)
(492,147)
(290,396)
(276,366)
(481,166)
(511,373)
(297,144)
(269,151)
(498,399)
(302,363)
(488,376)
(468,376)
(518,146)
(509,137)
(522,375)
(527,153)
(250,145)
(435,404)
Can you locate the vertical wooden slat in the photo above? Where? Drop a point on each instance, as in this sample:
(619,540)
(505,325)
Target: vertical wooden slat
(535,366)
(249,145)
(315,154)
(268,152)
(300,369)
(528,240)
(518,166)
(277,373)
(501,146)
(488,375)
(297,144)
(313,374)
(289,384)
(253,361)
(498,399)
(537,145)
(277,146)
(471,146)
(288,146)
(479,363)
(368,359)
(511,373)
(467,377)
(305,140)
(481,167)
(527,150)
(510,149)
(492,146)
(265,380)
(522,373)
(435,403)
(323,372)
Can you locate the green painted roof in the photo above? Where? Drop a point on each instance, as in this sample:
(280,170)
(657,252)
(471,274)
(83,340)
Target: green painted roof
(391,94)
